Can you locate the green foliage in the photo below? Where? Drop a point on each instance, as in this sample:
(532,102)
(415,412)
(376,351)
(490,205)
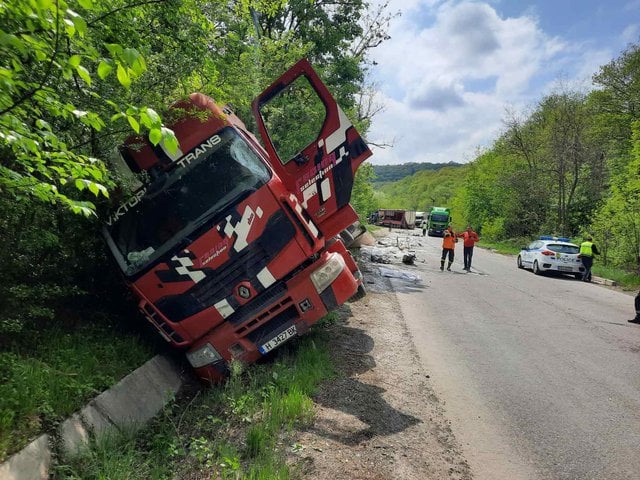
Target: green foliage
(51,374)
(425,189)
(616,104)
(616,225)
(113,456)
(59,87)
(55,285)
(363,196)
(238,430)
(627,280)
(294,118)
(393,173)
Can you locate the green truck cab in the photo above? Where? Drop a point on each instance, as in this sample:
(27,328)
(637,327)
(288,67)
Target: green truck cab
(437,221)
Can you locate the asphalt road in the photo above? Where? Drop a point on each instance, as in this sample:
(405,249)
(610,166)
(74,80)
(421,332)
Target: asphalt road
(540,375)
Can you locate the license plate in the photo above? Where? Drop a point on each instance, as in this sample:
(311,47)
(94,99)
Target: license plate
(278,339)
(565,269)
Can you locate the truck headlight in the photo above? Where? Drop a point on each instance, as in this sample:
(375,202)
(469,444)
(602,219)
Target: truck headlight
(204,355)
(327,273)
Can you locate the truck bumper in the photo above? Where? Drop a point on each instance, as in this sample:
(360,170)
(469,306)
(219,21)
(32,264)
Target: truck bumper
(300,306)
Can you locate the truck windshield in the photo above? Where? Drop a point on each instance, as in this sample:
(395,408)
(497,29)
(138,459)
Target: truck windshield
(182,199)
(440,218)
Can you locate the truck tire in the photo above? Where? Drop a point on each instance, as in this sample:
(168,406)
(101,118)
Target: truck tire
(360,294)
(346,237)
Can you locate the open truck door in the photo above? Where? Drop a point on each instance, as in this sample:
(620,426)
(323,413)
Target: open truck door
(312,145)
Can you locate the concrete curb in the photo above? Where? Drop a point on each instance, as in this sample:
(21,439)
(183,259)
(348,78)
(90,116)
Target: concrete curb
(603,281)
(130,403)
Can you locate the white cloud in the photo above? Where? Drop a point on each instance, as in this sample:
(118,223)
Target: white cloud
(448,72)
(631,33)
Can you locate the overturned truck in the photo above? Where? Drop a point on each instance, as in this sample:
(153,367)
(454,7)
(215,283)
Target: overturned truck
(230,247)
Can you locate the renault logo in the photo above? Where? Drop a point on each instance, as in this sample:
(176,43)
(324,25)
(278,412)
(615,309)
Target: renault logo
(244,292)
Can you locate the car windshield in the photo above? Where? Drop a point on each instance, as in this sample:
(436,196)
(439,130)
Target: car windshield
(182,199)
(440,218)
(560,248)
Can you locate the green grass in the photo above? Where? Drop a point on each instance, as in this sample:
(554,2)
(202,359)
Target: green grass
(52,374)
(511,247)
(373,228)
(627,280)
(240,430)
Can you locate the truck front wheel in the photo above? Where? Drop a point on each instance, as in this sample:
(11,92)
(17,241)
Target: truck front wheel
(360,293)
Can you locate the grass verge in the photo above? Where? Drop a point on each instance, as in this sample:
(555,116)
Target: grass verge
(51,373)
(627,280)
(239,430)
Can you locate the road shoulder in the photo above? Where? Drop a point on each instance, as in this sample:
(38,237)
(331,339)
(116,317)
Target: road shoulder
(380,419)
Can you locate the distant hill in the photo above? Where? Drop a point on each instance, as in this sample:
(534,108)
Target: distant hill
(393,173)
(424,189)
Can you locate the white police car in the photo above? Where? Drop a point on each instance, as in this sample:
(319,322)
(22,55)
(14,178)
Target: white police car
(552,254)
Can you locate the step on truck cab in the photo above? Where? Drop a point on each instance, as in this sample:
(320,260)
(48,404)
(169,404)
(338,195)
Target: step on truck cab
(232,247)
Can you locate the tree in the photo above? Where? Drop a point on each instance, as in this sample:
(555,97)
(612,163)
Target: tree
(555,147)
(616,103)
(363,198)
(64,80)
(617,222)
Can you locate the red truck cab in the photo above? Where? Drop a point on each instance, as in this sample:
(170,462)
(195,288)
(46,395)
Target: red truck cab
(232,248)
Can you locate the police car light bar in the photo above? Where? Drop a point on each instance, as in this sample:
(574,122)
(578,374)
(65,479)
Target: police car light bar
(555,239)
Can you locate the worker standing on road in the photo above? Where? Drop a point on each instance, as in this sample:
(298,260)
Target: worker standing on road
(637,317)
(448,247)
(423,225)
(469,239)
(587,250)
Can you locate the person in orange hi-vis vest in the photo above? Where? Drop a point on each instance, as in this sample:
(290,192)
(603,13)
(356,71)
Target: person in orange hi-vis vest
(448,247)
(469,239)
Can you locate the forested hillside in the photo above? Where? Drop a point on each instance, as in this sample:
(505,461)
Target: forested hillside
(570,166)
(424,189)
(393,173)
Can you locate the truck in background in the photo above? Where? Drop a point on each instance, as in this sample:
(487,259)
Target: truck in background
(437,221)
(232,248)
(419,219)
(396,218)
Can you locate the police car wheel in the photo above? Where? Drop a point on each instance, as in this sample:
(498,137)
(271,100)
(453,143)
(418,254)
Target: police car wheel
(536,269)
(520,262)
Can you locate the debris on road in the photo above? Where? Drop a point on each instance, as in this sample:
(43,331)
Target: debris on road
(409,258)
(392,273)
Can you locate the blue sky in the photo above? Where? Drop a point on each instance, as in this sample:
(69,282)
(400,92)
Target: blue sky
(453,70)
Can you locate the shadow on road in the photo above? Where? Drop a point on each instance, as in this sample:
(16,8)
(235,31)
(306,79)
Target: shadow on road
(358,399)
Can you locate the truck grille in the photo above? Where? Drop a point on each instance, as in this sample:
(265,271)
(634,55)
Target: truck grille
(167,332)
(219,283)
(258,303)
(244,266)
